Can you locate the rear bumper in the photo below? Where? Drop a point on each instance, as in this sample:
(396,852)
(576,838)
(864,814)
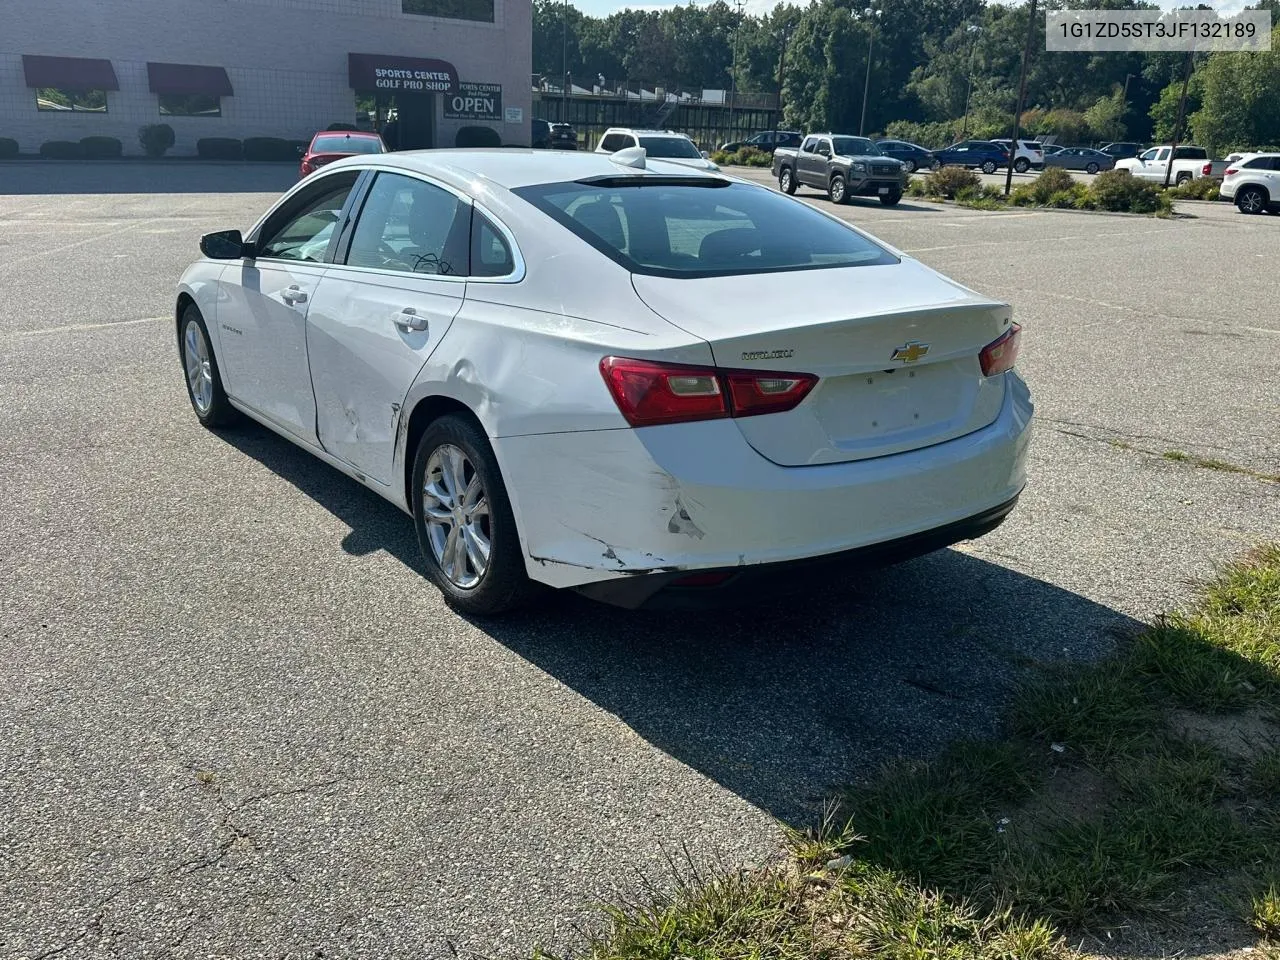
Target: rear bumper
(613,505)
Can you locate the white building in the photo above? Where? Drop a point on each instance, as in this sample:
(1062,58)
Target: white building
(262,68)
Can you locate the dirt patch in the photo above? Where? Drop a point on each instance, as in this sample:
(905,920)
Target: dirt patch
(1070,793)
(1239,735)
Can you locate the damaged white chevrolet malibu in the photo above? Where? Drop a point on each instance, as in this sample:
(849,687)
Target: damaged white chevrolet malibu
(650,384)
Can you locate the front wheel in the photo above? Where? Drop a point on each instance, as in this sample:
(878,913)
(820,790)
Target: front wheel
(465,524)
(1251,200)
(1090,167)
(837,189)
(204,380)
(988,166)
(1022,165)
(890,199)
(909,165)
(787,181)
(935,165)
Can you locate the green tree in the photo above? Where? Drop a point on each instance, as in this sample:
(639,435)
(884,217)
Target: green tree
(1106,117)
(1240,100)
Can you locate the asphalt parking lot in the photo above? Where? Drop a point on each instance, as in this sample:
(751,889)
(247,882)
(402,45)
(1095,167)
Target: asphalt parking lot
(237,722)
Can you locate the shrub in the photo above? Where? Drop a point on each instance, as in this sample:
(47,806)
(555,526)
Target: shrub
(8,148)
(219,148)
(948,181)
(269,149)
(1023,195)
(751,157)
(156,139)
(1117,191)
(1052,180)
(721,157)
(101,148)
(477,137)
(1066,199)
(992,192)
(1203,188)
(916,188)
(340,127)
(62,150)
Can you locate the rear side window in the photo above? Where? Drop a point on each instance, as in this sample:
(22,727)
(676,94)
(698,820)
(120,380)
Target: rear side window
(616,141)
(810,145)
(1263,163)
(1192,153)
(702,229)
(490,254)
(411,226)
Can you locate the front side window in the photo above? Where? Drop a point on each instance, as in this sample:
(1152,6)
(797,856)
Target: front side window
(55,100)
(481,10)
(669,148)
(411,226)
(189,105)
(856,147)
(304,231)
(702,229)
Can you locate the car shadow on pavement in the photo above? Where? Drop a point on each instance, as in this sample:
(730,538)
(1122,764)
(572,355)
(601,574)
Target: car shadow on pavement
(788,700)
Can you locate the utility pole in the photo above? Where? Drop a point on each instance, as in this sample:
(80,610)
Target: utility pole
(1022,96)
(782,65)
(564,62)
(1177,124)
(733,76)
(866,83)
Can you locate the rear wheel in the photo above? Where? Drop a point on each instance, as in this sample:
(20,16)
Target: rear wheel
(837,189)
(935,165)
(890,199)
(1090,167)
(465,525)
(909,165)
(787,181)
(1251,200)
(1022,165)
(204,381)
(988,166)
(1182,178)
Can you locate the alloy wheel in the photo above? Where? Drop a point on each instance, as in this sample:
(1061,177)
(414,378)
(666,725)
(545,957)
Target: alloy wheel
(837,190)
(195,356)
(455,509)
(1250,201)
(910,166)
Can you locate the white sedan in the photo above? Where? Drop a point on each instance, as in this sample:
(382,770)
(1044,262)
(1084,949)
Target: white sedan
(650,384)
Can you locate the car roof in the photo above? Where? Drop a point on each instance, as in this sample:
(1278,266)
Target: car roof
(513,167)
(641,132)
(347,133)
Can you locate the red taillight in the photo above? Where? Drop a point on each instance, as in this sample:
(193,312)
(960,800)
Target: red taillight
(1229,171)
(1206,169)
(1001,354)
(649,393)
(307,167)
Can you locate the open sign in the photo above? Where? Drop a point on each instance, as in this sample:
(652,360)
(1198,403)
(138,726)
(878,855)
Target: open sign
(474,101)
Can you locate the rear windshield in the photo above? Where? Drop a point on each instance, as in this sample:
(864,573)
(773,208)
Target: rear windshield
(703,230)
(346,145)
(855,147)
(677,148)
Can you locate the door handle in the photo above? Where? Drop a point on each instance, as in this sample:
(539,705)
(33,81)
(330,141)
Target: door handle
(294,294)
(408,319)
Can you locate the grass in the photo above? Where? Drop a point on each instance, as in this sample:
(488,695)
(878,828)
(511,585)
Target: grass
(1193,460)
(1109,801)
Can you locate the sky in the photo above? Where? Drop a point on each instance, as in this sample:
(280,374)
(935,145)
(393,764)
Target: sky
(602,8)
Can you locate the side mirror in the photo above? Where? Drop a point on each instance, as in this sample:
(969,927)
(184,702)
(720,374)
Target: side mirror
(705,155)
(225,245)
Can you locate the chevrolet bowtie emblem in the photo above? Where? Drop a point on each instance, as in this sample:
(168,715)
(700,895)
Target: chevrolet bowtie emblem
(911,351)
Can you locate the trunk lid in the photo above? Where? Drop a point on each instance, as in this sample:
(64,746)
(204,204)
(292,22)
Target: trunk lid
(895,347)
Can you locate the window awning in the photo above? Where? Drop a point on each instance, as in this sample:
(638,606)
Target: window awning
(186,79)
(375,71)
(69,73)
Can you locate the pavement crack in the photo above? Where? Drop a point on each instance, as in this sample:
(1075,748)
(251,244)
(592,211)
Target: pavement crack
(1173,456)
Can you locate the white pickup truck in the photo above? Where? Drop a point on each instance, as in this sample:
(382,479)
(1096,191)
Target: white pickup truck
(1189,163)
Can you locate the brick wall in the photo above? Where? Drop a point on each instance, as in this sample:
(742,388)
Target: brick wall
(286,59)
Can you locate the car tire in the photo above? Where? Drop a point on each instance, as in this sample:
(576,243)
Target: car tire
(836,190)
(1181,179)
(988,166)
(890,199)
(1252,200)
(454,525)
(935,165)
(1022,165)
(909,165)
(204,380)
(1090,167)
(787,181)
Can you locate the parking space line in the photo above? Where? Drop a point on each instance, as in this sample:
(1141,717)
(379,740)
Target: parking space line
(76,327)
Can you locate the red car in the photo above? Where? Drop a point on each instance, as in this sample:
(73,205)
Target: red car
(334,145)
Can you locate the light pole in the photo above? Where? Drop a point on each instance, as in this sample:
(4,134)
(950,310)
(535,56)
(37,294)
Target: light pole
(1022,96)
(782,66)
(973,30)
(564,62)
(869,13)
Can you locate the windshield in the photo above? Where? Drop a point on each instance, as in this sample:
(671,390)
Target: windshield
(703,228)
(347,145)
(855,147)
(670,148)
